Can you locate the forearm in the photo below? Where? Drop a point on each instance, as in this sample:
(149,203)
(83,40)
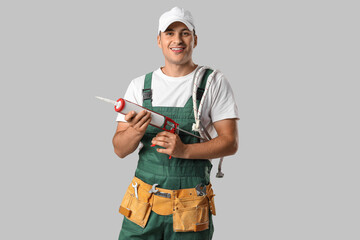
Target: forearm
(126,142)
(218,147)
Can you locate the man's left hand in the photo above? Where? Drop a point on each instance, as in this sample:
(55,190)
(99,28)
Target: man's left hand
(172,144)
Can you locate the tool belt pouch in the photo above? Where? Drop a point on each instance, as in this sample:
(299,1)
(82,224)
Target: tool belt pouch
(191,214)
(136,210)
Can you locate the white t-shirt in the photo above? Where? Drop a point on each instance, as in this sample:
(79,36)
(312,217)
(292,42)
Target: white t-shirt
(219,103)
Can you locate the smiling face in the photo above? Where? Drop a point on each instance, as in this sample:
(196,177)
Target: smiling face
(177,43)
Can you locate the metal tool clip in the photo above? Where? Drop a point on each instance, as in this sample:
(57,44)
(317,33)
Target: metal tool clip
(162,194)
(201,189)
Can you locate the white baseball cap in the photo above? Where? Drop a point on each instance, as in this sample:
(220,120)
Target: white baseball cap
(176,14)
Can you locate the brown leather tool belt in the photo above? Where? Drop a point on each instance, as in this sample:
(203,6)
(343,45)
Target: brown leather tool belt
(189,207)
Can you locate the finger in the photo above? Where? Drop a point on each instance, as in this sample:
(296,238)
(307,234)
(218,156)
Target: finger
(160,139)
(142,120)
(129,116)
(136,118)
(145,124)
(162,150)
(164,133)
(139,116)
(162,144)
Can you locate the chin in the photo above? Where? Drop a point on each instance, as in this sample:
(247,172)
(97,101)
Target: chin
(179,61)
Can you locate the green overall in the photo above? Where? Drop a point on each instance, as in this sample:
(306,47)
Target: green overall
(175,173)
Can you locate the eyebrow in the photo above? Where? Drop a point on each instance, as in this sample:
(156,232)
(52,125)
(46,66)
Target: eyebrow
(170,29)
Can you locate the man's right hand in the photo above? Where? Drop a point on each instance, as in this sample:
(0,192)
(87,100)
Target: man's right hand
(138,122)
(128,134)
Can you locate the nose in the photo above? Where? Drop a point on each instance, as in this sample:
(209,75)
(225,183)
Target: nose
(178,38)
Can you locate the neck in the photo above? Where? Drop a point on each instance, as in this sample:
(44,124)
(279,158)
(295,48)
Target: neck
(175,70)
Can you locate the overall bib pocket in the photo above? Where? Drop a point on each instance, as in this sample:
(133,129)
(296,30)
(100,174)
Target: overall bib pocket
(191,214)
(135,210)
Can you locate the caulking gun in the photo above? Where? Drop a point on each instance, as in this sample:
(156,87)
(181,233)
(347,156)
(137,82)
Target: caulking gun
(124,106)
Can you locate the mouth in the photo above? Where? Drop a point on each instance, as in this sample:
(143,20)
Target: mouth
(177,49)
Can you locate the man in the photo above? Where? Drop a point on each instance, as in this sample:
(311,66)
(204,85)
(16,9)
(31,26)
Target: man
(171,197)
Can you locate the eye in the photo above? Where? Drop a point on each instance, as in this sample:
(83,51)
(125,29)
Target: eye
(169,33)
(186,33)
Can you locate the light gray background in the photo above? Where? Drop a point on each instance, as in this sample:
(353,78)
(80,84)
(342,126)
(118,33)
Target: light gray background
(294,66)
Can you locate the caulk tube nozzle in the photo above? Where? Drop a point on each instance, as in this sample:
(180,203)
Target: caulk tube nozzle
(127,106)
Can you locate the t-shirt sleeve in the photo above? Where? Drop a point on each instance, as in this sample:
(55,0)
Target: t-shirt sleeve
(132,94)
(223,102)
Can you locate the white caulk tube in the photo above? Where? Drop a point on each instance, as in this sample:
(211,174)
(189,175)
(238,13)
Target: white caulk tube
(124,107)
(157,120)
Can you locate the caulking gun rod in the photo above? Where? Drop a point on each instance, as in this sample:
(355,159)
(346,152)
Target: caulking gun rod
(189,133)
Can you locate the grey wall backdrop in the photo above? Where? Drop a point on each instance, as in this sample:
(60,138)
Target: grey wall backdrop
(294,66)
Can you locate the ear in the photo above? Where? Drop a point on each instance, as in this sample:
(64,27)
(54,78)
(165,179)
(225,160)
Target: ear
(159,40)
(195,41)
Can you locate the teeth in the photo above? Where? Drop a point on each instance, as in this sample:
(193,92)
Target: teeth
(176,49)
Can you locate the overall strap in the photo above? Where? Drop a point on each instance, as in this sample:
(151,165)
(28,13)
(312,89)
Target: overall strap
(147,91)
(201,88)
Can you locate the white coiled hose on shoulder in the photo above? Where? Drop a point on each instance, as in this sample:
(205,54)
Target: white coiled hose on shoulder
(198,126)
